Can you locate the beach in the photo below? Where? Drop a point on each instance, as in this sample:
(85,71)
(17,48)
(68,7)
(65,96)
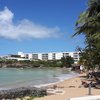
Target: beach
(71,88)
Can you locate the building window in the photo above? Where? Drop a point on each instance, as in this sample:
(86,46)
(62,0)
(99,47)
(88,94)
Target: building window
(75,55)
(26,56)
(44,56)
(75,58)
(35,56)
(53,56)
(65,54)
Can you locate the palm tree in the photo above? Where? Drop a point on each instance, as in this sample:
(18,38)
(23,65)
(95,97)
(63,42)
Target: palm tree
(89,21)
(89,25)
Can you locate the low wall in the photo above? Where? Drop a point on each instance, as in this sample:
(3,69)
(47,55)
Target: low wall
(22,92)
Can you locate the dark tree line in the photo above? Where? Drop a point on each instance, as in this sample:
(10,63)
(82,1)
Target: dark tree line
(63,62)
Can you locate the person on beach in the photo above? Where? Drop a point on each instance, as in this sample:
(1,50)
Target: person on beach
(81,68)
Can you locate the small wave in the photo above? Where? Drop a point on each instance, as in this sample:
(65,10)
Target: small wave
(67,76)
(42,80)
(60,79)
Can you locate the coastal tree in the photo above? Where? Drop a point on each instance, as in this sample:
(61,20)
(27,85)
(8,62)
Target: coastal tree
(88,24)
(67,61)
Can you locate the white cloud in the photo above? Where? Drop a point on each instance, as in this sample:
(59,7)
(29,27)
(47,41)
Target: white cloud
(24,29)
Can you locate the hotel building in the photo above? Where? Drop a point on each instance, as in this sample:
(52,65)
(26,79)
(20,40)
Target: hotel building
(49,56)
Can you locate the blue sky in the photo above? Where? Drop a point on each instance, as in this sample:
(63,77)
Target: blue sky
(39,25)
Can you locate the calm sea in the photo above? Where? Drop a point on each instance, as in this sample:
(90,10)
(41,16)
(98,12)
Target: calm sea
(12,77)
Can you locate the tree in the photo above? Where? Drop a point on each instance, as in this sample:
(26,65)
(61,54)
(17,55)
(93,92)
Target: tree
(67,61)
(89,25)
(89,21)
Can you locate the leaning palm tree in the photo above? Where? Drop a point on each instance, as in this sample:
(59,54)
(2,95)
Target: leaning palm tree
(89,21)
(89,25)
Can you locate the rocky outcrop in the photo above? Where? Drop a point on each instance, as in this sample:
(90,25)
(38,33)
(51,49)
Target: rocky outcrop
(22,92)
(17,65)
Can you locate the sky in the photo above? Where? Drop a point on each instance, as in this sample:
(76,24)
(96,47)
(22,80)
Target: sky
(39,25)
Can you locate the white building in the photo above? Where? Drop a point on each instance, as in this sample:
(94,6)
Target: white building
(18,59)
(50,55)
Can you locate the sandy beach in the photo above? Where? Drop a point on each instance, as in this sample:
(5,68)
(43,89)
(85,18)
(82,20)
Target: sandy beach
(71,88)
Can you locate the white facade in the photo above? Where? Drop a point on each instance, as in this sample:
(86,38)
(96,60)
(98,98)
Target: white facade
(21,54)
(30,56)
(18,59)
(50,55)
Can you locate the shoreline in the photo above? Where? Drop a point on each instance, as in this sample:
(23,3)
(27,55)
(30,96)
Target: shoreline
(57,79)
(9,90)
(72,88)
(16,84)
(29,84)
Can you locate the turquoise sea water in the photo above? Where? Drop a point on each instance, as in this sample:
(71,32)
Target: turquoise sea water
(12,77)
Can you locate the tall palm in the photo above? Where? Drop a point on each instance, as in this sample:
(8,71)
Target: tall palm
(89,25)
(89,21)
